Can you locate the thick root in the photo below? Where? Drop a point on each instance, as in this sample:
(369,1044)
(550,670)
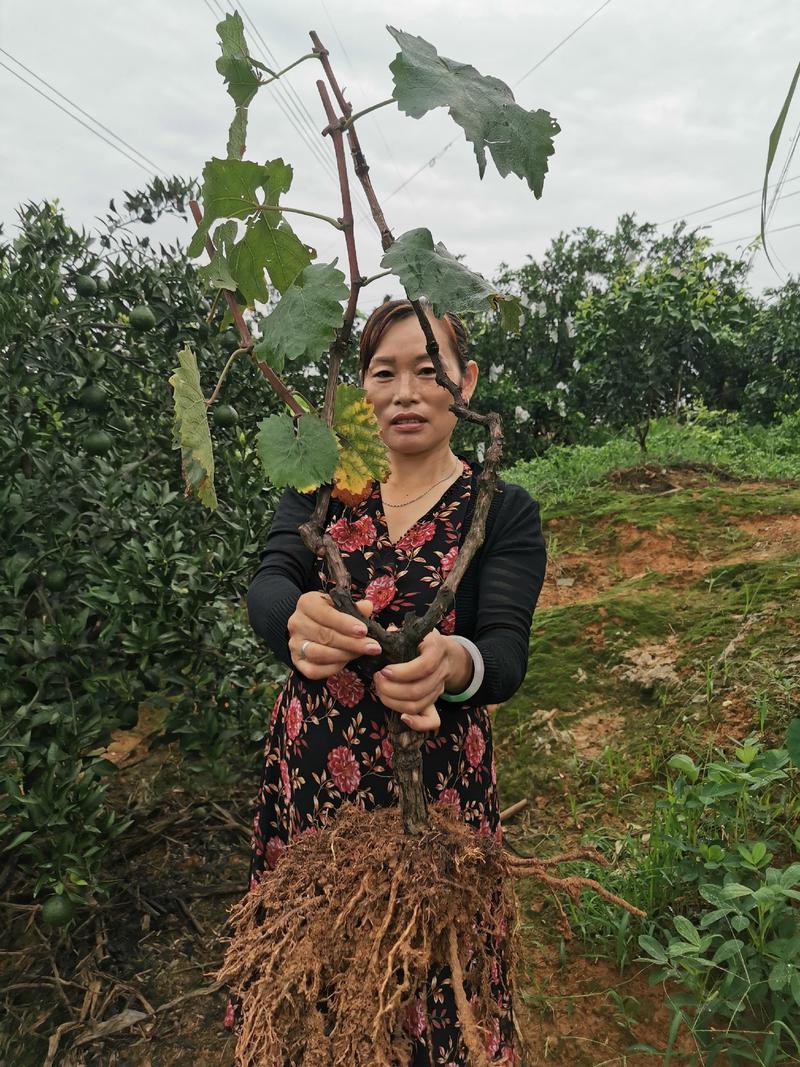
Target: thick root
(330,950)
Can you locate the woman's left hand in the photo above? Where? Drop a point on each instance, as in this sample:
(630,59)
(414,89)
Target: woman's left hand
(411,688)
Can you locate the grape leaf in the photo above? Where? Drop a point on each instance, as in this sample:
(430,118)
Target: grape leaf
(520,141)
(190,430)
(238,68)
(430,270)
(362,453)
(304,321)
(231,190)
(299,451)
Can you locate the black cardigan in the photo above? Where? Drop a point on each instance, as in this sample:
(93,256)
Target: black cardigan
(495,599)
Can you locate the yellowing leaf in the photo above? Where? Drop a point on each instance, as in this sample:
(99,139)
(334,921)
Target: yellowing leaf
(190,430)
(362,454)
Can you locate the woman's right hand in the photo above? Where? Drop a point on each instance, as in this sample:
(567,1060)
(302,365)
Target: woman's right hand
(334,638)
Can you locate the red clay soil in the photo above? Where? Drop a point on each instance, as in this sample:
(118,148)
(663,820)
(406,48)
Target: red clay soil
(637,552)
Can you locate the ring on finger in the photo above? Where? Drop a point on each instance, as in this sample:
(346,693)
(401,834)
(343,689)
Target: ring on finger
(302,654)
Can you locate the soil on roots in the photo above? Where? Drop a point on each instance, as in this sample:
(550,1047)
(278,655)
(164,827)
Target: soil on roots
(330,949)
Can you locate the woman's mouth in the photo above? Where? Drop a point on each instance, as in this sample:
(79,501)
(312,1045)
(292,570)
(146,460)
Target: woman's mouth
(407,423)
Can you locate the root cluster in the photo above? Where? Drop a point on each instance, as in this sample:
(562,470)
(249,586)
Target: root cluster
(329,951)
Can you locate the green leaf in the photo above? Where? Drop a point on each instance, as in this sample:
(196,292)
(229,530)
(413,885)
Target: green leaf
(653,948)
(300,451)
(685,764)
(238,69)
(520,141)
(734,890)
(248,192)
(774,140)
(430,270)
(727,950)
(792,744)
(687,930)
(362,452)
(190,430)
(779,975)
(303,323)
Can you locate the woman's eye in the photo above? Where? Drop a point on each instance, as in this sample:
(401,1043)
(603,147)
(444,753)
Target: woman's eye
(427,370)
(382,373)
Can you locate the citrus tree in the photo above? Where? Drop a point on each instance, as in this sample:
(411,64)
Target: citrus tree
(422,874)
(662,332)
(116,588)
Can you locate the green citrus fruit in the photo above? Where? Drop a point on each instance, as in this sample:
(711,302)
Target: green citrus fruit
(85,285)
(142,318)
(56,579)
(102,285)
(8,697)
(225,415)
(58,910)
(98,442)
(229,341)
(127,717)
(93,398)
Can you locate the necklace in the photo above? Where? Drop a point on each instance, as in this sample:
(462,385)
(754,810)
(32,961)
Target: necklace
(421,495)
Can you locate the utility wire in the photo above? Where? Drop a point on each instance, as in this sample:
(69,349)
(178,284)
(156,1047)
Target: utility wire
(753,237)
(750,207)
(381,134)
(441,152)
(86,125)
(560,43)
(310,122)
(722,203)
(83,111)
(284,103)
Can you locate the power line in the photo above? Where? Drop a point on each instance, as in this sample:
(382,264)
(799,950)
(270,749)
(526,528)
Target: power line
(86,125)
(562,42)
(284,102)
(83,111)
(381,134)
(750,207)
(753,237)
(722,203)
(286,94)
(310,121)
(536,66)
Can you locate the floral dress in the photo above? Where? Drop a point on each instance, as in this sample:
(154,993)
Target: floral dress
(329,742)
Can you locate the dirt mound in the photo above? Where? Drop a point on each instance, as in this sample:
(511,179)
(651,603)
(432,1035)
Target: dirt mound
(656,478)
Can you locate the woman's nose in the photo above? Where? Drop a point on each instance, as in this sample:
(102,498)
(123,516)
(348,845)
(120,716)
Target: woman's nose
(406,385)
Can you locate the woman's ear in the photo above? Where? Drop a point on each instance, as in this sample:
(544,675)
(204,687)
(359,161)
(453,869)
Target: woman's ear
(469,380)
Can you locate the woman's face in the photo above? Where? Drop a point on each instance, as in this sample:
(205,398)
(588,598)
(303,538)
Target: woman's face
(412,410)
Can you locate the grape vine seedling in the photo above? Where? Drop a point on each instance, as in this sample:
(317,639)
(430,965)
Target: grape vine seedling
(330,947)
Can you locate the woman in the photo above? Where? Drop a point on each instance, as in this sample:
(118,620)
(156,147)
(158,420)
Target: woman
(329,738)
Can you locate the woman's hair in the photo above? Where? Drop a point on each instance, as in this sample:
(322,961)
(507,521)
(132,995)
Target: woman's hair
(391,311)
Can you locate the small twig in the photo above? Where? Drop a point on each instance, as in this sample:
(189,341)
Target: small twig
(231,360)
(280,73)
(346,123)
(512,809)
(374,277)
(336,223)
(247,341)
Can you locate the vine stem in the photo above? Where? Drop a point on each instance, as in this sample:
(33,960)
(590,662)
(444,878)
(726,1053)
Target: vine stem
(416,627)
(274,77)
(231,359)
(302,211)
(244,334)
(365,111)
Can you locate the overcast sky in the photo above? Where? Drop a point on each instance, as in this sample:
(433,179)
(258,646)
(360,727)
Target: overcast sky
(665,106)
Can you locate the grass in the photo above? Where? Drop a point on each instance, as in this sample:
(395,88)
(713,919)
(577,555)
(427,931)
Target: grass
(734,624)
(563,474)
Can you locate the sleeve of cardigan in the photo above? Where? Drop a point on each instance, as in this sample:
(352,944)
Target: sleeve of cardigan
(512,569)
(283,575)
